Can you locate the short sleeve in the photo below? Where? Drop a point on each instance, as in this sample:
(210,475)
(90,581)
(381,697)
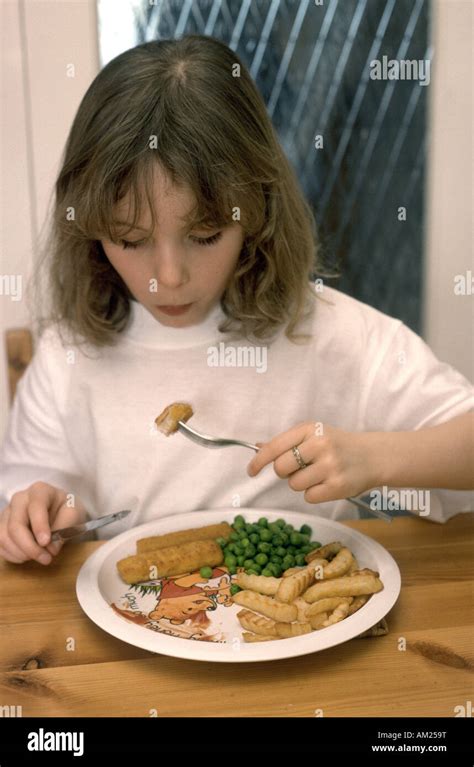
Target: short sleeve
(412,389)
(35,447)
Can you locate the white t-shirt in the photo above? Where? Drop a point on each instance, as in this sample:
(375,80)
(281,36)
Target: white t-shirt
(86,423)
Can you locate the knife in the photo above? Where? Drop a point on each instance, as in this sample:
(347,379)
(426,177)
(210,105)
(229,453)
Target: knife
(69,532)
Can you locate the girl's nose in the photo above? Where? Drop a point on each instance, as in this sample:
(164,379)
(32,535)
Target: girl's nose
(170,270)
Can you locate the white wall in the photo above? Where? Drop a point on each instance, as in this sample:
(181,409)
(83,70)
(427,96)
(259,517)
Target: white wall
(16,184)
(41,38)
(448,318)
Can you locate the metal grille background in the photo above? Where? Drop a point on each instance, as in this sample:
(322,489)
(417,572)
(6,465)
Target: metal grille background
(311,64)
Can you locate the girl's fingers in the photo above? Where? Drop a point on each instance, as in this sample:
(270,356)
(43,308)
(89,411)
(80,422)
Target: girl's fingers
(276,447)
(8,558)
(21,535)
(12,553)
(55,548)
(66,516)
(44,502)
(321,494)
(286,464)
(305,478)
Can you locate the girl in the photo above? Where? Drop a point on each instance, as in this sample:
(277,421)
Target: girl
(179,266)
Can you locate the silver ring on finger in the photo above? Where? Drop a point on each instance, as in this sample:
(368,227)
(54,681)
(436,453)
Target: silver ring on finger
(299,460)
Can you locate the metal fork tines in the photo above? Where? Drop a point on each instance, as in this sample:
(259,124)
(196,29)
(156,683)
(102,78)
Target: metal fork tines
(207,441)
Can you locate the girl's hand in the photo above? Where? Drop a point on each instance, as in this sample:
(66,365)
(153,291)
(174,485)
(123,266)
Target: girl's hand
(339,464)
(25,525)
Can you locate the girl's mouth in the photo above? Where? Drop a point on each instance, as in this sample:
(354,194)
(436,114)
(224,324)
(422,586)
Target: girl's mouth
(175,311)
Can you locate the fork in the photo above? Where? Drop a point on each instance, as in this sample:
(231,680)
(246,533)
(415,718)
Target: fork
(205,440)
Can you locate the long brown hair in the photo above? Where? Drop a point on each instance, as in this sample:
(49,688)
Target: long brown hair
(190,105)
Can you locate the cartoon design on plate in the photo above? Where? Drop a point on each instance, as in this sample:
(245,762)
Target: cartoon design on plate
(180,606)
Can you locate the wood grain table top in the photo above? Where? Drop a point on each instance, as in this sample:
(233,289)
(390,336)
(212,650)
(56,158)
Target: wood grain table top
(56,662)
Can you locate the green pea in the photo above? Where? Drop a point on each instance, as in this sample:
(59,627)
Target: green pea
(306,530)
(234,589)
(265,548)
(238,550)
(250,550)
(221,542)
(232,569)
(277,570)
(263,522)
(239,521)
(254,538)
(275,529)
(248,529)
(241,560)
(306,548)
(284,538)
(266,571)
(288,562)
(291,550)
(266,535)
(230,560)
(295,539)
(280,551)
(234,536)
(281,522)
(248,563)
(261,559)
(304,539)
(255,527)
(276,560)
(205,572)
(300,560)
(242,534)
(277,540)
(244,542)
(314,545)
(289,529)
(251,571)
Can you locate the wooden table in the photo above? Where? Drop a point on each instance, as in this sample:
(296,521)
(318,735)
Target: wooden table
(102,676)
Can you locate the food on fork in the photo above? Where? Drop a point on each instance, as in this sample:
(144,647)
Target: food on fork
(167,421)
(173,560)
(210,532)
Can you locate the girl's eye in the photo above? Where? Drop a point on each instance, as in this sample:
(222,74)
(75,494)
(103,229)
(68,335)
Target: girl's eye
(132,245)
(207,240)
(198,240)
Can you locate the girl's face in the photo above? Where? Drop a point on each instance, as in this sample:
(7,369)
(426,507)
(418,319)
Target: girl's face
(181,273)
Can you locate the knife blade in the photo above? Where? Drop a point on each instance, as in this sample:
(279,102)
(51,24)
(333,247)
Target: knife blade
(65,533)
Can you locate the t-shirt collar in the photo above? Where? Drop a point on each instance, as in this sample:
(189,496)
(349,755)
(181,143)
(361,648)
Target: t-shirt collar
(143,328)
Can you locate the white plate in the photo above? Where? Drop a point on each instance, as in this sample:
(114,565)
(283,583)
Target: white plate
(215,634)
